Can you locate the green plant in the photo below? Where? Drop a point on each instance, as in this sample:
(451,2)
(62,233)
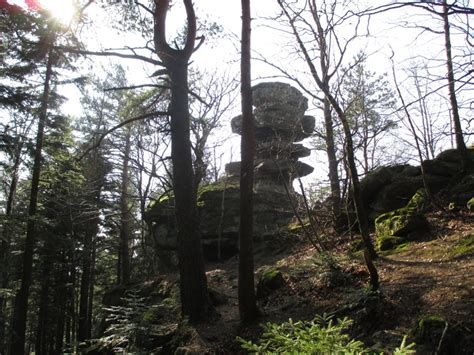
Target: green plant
(123,323)
(404,348)
(321,335)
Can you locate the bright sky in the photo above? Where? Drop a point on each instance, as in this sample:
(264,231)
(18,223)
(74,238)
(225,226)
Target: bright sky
(386,34)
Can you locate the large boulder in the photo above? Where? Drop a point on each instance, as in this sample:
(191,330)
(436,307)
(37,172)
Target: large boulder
(273,94)
(389,188)
(407,223)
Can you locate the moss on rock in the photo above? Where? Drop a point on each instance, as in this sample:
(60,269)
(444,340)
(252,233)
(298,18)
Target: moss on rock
(470,204)
(405,223)
(429,328)
(271,279)
(389,242)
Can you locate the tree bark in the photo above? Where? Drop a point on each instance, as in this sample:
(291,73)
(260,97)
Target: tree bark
(5,250)
(356,192)
(84,331)
(125,216)
(460,144)
(333,166)
(195,301)
(91,290)
(17,345)
(43,326)
(247,303)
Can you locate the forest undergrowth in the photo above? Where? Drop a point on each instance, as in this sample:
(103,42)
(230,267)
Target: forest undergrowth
(422,280)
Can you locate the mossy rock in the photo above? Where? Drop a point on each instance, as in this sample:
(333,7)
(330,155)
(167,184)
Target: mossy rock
(390,242)
(470,204)
(270,280)
(400,223)
(418,202)
(435,335)
(356,245)
(429,329)
(407,222)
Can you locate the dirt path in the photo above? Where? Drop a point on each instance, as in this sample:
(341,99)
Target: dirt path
(424,281)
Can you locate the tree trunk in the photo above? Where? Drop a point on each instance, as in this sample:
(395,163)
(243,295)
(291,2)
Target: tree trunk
(460,144)
(247,304)
(91,290)
(61,300)
(356,193)
(125,216)
(195,301)
(43,326)
(333,166)
(83,321)
(17,345)
(5,250)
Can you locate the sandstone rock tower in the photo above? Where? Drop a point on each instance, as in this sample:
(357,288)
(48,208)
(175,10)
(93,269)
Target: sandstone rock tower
(280,121)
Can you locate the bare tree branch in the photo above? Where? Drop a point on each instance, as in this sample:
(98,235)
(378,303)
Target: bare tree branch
(121,124)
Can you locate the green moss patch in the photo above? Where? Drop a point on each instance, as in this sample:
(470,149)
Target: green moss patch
(395,227)
(296,226)
(470,204)
(389,242)
(218,186)
(464,246)
(271,279)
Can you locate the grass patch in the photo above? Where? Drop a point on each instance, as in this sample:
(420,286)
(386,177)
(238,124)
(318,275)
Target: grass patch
(464,246)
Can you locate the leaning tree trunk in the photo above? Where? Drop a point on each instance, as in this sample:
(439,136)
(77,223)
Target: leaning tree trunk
(369,252)
(247,303)
(195,301)
(20,310)
(323,84)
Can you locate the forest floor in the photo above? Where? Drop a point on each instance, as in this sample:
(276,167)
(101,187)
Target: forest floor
(432,277)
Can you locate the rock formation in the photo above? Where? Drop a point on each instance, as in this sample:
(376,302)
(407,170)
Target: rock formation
(389,188)
(280,121)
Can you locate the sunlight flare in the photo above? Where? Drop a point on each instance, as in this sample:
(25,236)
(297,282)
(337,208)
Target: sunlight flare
(63,10)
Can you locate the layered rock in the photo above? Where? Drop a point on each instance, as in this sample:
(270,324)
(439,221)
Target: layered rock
(389,188)
(280,123)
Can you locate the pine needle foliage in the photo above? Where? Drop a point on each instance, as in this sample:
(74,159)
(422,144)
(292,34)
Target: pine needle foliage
(321,335)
